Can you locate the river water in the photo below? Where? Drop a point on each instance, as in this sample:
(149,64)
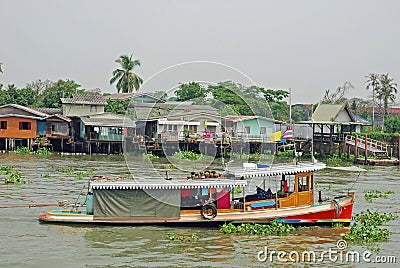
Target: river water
(27,243)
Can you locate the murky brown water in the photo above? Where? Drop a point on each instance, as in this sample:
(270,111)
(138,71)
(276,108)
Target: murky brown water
(27,243)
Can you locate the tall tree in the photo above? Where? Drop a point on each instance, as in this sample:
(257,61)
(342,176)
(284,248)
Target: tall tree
(338,95)
(387,93)
(127,79)
(50,97)
(372,84)
(1,70)
(39,86)
(191,91)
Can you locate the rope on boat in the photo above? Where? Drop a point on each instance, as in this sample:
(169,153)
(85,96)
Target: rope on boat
(33,205)
(338,208)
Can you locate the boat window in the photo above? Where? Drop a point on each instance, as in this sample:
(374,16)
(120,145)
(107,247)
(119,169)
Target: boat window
(303,184)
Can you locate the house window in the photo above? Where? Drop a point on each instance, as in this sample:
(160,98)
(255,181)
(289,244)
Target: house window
(247,130)
(3,125)
(212,128)
(263,130)
(113,130)
(93,108)
(24,125)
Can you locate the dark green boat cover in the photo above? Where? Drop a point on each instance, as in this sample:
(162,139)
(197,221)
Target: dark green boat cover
(137,203)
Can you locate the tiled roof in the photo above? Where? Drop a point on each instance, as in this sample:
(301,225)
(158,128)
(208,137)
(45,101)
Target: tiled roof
(49,110)
(108,120)
(88,98)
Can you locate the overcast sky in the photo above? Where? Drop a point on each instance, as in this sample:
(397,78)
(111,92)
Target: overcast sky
(308,46)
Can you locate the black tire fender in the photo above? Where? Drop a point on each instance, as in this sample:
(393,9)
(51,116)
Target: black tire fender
(206,209)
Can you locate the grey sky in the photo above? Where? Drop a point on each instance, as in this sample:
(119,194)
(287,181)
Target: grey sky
(309,46)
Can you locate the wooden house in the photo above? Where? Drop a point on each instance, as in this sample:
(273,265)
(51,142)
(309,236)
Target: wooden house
(329,125)
(83,104)
(19,126)
(105,127)
(195,125)
(257,128)
(106,132)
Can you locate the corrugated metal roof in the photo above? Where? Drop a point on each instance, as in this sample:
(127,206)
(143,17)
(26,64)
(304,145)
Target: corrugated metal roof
(166,184)
(108,120)
(87,98)
(329,112)
(275,170)
(240,118)
(26,109)
(60,116)
(127,96)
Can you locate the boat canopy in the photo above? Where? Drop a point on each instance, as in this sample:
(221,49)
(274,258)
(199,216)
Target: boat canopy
(157,184)
(275,170)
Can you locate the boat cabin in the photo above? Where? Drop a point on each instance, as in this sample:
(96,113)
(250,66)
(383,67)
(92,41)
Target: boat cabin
(158,200)
(281,187)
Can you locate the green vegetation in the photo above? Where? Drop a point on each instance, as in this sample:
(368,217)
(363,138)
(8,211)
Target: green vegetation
(127,80)
(78,174)
(191,91)
(68,170)
(273,228)
(187,155)
(82,174)
(44,151)
(338,161)
(116,106)
(151,156)
(338,225)
(183,238)
(169,166)
(22,150)
(371,194)
(237,191)
(12,176)
(366,230)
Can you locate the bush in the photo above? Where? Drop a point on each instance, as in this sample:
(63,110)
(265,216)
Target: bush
(22,150)
(273,228)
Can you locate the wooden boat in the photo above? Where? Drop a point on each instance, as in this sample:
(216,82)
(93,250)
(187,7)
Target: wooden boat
(208,202)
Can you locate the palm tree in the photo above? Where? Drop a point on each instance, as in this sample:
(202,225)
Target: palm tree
(127,80)
(373,84)
(1,70)
(386,92)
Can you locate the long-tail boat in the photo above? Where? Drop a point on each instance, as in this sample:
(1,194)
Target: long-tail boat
(288,197)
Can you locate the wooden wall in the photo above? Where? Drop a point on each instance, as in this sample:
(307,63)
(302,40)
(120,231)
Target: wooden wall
(13,128)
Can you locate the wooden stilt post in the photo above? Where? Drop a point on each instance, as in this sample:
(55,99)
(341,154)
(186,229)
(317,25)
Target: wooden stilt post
(345,147)
(355,148)
(62,145)
(6,144)
(366,150)
(109,147)
(398,147)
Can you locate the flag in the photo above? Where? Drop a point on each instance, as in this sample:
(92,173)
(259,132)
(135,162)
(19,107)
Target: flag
(288,134)
(205,124)
(276,136)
